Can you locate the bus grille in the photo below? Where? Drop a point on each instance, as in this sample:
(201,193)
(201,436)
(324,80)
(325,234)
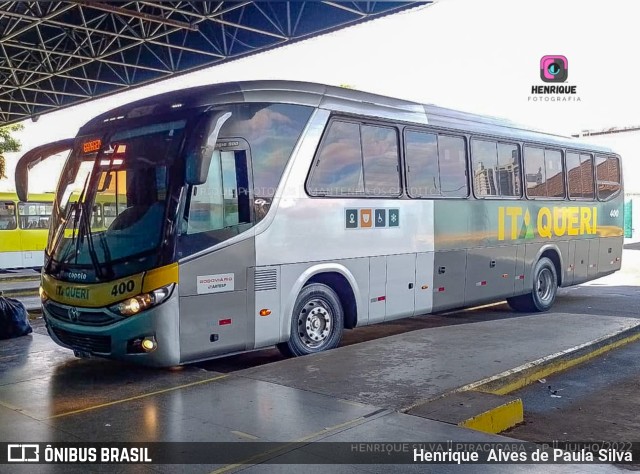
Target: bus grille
(87,318)
(266,279)
(84,342)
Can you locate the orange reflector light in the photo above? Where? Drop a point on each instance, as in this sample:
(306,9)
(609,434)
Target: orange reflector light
(265,312)
(93,145)
(121,148)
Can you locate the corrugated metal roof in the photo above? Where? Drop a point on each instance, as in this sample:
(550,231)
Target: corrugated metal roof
(57,54)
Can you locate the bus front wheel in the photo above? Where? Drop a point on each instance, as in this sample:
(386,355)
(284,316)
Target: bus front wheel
(316,323)
(545,288)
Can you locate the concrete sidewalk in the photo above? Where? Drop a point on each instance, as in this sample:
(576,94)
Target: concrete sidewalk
(354,393)
(48,396)
(399,371)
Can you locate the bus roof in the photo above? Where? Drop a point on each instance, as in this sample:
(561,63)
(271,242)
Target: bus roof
(336,99)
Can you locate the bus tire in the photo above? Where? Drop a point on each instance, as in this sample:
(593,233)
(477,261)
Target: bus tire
(317,322)
(545,289)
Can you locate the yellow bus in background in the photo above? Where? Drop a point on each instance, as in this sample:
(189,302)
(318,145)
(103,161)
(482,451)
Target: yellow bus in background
(24,227)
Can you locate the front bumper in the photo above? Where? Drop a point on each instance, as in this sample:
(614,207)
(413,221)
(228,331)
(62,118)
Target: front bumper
(112,340)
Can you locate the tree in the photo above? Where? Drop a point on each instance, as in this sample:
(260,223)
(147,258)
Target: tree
(8,143)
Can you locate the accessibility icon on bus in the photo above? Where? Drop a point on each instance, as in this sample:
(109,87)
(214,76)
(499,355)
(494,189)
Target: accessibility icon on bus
(381,217)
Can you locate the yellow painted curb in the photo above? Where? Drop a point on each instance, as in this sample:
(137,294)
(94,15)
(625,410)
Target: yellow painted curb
(557,366)
(497,419)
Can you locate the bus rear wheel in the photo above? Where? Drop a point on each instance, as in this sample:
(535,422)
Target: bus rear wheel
(545,288)
(316,323)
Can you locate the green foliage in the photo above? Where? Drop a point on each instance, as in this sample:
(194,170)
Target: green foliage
(8,143)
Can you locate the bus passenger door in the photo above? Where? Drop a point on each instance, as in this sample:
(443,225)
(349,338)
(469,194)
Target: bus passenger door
(214,312)
(400,288)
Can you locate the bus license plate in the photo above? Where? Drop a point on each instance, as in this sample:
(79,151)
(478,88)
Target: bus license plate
(82,354)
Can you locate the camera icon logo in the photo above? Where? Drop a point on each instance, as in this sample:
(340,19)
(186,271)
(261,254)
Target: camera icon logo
(554,68)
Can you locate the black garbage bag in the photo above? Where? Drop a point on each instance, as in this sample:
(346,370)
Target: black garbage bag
(14,319)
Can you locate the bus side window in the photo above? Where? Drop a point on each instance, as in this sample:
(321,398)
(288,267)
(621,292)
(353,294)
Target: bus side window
(484,156)
(544,172)
(453,166)
(607,176)
(436,165)
(272,131)
(223,201)
(580,175)
(356,159)
(381,160)
(34,215)
(423,177)
(586,165)
(338,167)
(7,216)
(509,170)
(555,174)
(535,174)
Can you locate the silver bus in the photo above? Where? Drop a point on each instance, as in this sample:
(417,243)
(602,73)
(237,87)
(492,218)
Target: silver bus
(257,213)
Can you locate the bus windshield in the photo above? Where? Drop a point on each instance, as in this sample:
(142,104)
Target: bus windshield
(112,201)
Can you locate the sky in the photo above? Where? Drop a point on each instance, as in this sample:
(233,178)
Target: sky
(476,56)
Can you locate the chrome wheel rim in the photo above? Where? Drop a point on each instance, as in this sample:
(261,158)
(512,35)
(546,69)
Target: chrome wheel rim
(314,323)
(544,285)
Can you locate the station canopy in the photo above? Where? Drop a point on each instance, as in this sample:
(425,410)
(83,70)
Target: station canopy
(57,54)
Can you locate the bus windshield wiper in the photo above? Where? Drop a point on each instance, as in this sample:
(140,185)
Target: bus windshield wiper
(85,231)
(107,255)
(74,206)
(59,232)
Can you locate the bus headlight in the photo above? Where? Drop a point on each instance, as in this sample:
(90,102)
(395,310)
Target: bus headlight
(142,302)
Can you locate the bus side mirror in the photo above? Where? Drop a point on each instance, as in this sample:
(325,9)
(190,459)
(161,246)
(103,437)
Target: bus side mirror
(32,158)
(197,163)
(201,146)
(22,182)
